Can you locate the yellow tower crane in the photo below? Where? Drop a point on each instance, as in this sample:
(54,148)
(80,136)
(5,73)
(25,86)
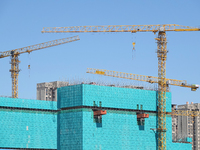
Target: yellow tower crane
(145,78)
(16,52)
(161,54)
(186,113)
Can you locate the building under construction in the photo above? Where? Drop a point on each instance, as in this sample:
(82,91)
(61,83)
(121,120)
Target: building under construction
(86,117)
(188,126)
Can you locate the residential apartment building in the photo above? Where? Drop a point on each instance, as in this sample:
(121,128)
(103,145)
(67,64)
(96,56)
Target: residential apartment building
(189,126)
(48,90)
(174,124)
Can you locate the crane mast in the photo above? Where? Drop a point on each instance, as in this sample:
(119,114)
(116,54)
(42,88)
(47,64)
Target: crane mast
(161,54)
(14,54)
(14,73)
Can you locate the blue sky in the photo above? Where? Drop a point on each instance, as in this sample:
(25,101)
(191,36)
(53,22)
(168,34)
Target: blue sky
(22,21)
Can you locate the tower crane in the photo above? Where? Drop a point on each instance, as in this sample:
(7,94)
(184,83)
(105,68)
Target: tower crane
(16,52)
(185,113)
(161,54)
(150,79)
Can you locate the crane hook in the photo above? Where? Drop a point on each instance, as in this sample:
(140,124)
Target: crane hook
(133,45)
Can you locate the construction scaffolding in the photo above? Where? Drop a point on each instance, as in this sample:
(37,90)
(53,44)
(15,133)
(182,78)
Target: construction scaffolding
(88,114)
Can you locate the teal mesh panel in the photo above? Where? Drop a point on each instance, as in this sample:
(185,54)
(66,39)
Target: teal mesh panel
(127,98)
(28,129)
(70,129)
(70,96)
(119,129)
(76,129)
(27,103)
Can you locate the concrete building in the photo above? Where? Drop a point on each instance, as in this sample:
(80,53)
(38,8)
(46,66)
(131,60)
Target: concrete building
(174,125)
(70,122)
(189,126)
(48,90)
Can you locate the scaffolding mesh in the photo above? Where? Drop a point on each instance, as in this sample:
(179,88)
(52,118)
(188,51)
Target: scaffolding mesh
(42,124)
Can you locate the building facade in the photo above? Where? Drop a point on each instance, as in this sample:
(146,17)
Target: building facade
(70,122)
(174,124)
(28,124)
(189,126)
(119,129)
(48,90)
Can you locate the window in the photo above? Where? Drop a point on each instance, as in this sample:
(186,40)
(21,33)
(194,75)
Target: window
(46,91)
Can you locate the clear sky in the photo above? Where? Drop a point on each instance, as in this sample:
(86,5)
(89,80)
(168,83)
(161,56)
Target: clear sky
(21,22)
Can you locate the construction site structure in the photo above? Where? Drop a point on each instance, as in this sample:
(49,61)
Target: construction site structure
(86,116)
(189,126)
(174,124)
(180,115)
(151,79)
(161,55)
(14,54)
(48,90)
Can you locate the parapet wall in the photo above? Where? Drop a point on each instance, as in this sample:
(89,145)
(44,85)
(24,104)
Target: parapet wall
(115,97)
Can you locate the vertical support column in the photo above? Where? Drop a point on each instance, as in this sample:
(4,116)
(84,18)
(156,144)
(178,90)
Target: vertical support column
(14,74)
(162,56)
(194,132)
